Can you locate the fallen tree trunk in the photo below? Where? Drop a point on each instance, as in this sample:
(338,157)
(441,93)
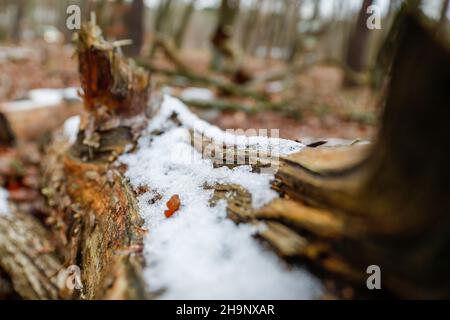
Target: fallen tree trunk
(98,225)
(340,208)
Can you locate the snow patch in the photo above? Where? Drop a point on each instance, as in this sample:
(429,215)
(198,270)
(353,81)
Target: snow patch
(42,98)
(171,105)
(4,206)
(199,253)
(201,94)
(71,128)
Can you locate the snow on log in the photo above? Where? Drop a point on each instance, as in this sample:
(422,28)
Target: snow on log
(198,253)
(173,208)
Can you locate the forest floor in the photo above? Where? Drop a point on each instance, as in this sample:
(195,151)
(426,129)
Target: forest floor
(325,108)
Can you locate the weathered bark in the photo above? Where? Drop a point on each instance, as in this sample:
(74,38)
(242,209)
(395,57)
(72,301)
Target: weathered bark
(28,256)
(93,210)
(396,211)
(94,213)
(385,205)
(107,79)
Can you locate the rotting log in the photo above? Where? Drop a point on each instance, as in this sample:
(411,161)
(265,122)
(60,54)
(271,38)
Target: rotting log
(394,203)
(386,204)
(93,211)
(341,208)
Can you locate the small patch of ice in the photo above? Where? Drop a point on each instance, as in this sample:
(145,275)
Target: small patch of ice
(199,253)
(202,94)
(4,206)
(71,128)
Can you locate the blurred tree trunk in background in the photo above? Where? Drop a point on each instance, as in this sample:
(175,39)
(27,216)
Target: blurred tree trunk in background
(356,52)
(285,23)
(17,22)
(316,11)
(187,14)
(222,48)
(135,27)
(163,11)
(250,24)
(443,20)
(161,14)
(259,35)
(6,134)
(296,39)
(273,25)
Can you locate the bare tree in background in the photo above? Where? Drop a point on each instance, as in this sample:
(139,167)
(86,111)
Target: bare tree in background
(273,27)
(17,22)
(221,39)
(316,12)
(356,53)
(250,23)
(161,15)
(135,27)
(295,36)
(187,14)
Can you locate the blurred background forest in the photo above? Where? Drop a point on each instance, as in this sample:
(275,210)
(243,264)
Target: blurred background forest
(308,67)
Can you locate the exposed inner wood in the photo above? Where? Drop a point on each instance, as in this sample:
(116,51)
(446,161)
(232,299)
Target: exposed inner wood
(339,208)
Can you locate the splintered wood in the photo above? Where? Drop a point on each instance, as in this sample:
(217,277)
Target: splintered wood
(107,78)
